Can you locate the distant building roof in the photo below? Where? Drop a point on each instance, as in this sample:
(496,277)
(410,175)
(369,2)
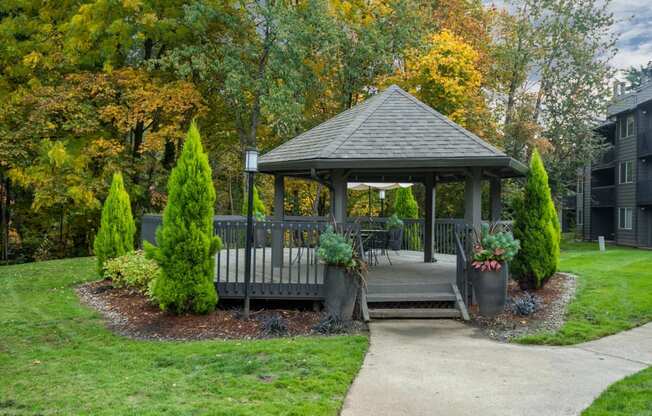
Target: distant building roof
(631,99)
(391,129)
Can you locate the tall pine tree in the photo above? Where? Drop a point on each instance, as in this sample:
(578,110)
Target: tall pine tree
(116,234)
(537,227)
(186,244)
(405,206)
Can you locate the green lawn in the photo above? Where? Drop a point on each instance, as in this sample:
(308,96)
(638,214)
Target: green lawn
(56,357)
(631,396)
(614,293)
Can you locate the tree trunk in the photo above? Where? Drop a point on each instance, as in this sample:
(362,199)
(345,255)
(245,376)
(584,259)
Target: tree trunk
(4,200)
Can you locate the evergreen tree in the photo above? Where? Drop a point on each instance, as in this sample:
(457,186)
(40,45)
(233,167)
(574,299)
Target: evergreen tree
(537,227)
(405,206)
(259,206)
(186,244)
(116,234)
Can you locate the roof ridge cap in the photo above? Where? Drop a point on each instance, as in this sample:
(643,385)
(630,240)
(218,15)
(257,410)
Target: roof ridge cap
(451,123)
(358,120)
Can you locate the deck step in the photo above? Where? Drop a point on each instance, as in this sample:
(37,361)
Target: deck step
(411,297)
(415,313)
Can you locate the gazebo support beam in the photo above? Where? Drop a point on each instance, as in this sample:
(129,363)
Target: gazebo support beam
(279,214)
(429,223)
(495,190)
(473,198)
(339,196)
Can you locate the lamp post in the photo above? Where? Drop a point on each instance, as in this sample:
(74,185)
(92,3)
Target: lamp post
(251,167)
(381,195)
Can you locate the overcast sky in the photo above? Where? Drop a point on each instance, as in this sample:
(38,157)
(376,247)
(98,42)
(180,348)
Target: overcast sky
(634,23)
(635,27)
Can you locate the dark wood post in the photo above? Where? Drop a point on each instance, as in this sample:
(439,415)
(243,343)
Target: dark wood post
(279,214)
(339,197)
(473,198)
(495,190)
(429,223)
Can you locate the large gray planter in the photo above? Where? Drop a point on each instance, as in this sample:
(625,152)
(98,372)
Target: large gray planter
(395,239)
(490,290)
(340,292)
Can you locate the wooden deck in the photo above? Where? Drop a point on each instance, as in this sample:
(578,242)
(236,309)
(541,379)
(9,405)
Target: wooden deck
(408,278)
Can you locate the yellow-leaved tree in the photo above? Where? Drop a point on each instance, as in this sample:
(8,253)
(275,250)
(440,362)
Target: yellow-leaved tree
(446,75)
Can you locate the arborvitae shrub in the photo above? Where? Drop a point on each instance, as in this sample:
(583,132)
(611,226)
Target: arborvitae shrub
(186,244)
(537,227)
(117,228)
(405,206)
(259,207)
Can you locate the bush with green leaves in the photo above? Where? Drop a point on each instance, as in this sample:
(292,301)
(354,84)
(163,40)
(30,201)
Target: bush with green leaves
(335,249)
(259,210)
(117,228)
(394,222)
(537,227)
(493,248)
(186,243)
(133,270)
(405,206)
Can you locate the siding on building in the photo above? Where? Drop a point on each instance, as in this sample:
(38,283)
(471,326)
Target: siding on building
(626,193)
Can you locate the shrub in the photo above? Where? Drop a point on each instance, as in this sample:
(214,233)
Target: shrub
(116,234)
(394,222)
(331,325)
(536,226)
(334,249)
(405,206)
(260,210)
(133,270)
(186,244)
(274,325)
(524,305)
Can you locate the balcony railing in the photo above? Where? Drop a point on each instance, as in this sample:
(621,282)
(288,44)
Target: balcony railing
(603,197)
(645,143)
(644,192)
(606,159)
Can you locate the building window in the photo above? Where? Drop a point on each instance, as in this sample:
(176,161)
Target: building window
(580,184)
(627,126)
(626,172)
(580,216)
(625,218)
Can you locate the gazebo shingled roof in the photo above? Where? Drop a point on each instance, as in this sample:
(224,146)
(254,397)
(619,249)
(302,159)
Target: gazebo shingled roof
(390,136)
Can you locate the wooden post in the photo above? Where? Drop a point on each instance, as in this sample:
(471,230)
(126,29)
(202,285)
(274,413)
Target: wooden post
(495,189)
(339,197)
(429,223)
(473,198)
(279,214)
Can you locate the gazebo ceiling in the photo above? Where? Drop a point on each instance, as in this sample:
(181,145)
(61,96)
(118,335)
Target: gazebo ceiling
(391,136)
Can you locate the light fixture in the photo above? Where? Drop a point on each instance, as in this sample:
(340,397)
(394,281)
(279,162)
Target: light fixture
(251,160)
(381,194)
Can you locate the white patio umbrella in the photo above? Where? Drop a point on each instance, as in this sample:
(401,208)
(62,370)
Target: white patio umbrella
(381,186)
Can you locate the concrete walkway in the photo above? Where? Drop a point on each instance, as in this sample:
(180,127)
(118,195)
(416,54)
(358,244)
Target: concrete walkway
(443,367)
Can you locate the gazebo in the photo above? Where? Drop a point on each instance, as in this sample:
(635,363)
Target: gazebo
(393,137)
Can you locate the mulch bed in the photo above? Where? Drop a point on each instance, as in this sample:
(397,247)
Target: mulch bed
(130,314)
(549,316)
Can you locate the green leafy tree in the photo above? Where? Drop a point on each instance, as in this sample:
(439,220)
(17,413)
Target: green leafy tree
(259,207)
(116,235)
(537,227)
(405,206)
(186,244)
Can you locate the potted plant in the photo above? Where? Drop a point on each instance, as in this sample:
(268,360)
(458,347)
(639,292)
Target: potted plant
(492,252)
(395,227)
(343,274)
